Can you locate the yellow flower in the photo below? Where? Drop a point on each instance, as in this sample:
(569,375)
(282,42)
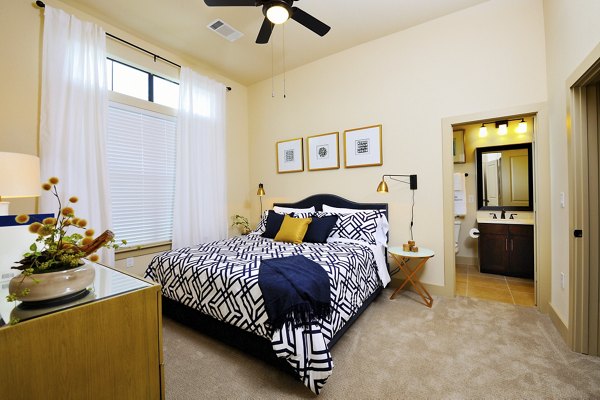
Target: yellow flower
(22,219)
(94,258)
(89,232)
(86,240)
(46,186)
(44,230)
(53,180)
(74,221)
(35,227)
(73,199)
(68,211)
(49,221)
(82,223)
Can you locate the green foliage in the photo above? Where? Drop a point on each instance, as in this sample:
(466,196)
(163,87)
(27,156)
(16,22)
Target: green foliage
(241,223)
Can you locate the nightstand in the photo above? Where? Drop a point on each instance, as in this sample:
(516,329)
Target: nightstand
(106,345)
(403,259)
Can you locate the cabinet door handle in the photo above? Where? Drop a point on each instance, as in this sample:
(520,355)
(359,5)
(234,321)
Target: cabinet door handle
(512,245)
(506,244)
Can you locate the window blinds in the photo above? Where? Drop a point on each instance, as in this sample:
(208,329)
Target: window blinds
(141,162)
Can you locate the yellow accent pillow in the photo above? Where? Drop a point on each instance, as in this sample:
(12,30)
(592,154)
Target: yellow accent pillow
(292,229)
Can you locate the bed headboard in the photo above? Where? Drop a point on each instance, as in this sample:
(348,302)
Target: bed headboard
(333,200)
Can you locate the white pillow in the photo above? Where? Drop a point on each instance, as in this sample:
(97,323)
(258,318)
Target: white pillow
(340,210)
(288,210)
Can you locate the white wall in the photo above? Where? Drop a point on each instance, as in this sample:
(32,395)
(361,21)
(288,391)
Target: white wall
(572,31)
(487,57)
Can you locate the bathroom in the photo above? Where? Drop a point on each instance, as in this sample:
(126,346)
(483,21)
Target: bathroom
(494,218)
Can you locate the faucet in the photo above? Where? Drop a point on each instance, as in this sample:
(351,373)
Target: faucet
(503,214)
(493,215)
(512,216)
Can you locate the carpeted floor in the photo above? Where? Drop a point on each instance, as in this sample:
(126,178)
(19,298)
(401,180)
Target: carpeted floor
(462,348)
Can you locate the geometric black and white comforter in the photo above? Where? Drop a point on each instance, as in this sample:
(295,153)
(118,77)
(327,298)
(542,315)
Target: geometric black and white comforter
(221,279)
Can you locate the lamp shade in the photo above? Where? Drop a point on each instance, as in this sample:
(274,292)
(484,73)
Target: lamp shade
(261,190)
(19,175)
(383,187)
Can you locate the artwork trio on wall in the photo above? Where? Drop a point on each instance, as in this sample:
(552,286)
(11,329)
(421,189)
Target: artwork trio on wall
(362,148)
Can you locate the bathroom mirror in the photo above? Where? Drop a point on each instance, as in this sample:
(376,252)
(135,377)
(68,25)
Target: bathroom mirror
(505,178)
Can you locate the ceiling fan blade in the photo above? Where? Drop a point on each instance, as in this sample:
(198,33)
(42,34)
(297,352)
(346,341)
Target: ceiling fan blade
(265,32)
(310,22)
(227,3)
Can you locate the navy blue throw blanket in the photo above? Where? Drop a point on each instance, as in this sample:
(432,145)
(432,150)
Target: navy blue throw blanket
(294,288)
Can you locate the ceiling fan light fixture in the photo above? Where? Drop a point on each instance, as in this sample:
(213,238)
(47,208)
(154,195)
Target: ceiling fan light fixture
(278,12)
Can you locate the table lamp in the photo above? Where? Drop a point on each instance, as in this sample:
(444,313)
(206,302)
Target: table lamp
(260,193)
(19,177)
(412,182)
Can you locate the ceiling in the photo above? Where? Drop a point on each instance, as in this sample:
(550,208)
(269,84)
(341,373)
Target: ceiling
(181,26)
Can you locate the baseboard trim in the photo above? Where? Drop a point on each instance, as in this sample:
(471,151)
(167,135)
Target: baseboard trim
(467,261)
(559,324)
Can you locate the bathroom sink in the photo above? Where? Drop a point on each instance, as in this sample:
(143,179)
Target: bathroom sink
(516,221)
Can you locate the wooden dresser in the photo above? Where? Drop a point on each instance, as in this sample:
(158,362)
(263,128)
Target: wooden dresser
(107,345)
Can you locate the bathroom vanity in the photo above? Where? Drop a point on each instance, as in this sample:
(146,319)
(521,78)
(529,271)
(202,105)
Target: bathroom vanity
(506,248)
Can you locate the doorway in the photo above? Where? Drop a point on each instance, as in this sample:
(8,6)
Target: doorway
(541,162)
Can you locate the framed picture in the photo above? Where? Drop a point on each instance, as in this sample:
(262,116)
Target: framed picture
(458,146)
(362,147)
(290,157)
(323,151)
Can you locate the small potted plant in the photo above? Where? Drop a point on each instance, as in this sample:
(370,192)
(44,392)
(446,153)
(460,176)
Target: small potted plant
(242,224)
(55,264)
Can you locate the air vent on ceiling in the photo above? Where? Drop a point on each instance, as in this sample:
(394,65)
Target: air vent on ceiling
(225,30)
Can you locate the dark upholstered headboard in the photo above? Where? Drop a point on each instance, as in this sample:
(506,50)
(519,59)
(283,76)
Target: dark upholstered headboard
(333,200)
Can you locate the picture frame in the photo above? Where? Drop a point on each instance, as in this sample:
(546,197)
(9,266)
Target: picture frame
(363,147)
(290,156)
(458,146)
(323,151)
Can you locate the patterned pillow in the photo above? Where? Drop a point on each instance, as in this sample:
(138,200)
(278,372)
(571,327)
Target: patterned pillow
(364,226)
(262,224)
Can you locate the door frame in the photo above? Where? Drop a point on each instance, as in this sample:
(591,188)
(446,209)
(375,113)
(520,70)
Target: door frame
(588,72)
(541,164)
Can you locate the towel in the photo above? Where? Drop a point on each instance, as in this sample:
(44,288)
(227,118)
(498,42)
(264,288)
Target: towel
(294,289)
(460,195)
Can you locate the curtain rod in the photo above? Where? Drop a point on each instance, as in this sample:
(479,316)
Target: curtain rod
(41,4)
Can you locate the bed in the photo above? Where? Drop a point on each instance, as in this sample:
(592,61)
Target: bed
(214,288)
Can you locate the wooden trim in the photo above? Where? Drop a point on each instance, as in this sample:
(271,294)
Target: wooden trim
(559,324)
(142,250)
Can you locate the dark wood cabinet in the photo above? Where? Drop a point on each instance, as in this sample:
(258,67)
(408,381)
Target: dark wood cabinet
(506,249)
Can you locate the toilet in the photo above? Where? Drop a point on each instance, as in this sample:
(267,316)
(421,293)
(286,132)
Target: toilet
(456,234)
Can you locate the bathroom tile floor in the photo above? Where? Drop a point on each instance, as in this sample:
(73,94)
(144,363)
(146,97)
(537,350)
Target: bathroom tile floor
(472,283)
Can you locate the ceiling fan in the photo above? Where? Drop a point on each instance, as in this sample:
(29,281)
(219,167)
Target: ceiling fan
(276,12)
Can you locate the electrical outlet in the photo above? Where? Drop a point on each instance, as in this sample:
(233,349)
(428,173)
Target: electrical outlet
(562,280)
(130,262)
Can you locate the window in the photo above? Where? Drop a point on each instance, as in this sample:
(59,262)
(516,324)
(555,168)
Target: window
(141,161)
(134,82)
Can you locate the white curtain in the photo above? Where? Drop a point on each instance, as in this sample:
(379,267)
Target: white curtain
(200,208)
(73,118)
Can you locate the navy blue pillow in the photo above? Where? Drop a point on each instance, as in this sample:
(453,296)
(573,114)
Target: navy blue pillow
(320,228)
(274,222)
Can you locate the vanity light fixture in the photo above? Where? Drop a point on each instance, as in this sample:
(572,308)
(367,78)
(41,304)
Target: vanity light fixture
(522,128)
(482,131)
(278,12)
(502,127)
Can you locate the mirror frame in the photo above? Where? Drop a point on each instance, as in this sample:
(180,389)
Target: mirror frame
(480,151)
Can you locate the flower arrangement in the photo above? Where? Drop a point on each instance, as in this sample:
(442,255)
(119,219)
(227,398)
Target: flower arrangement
(56,248)
(241,223)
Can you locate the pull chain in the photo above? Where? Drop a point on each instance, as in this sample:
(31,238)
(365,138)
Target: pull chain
(272,70)
(283,52)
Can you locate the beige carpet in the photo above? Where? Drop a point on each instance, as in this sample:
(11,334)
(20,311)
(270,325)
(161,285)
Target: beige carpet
(399,349)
